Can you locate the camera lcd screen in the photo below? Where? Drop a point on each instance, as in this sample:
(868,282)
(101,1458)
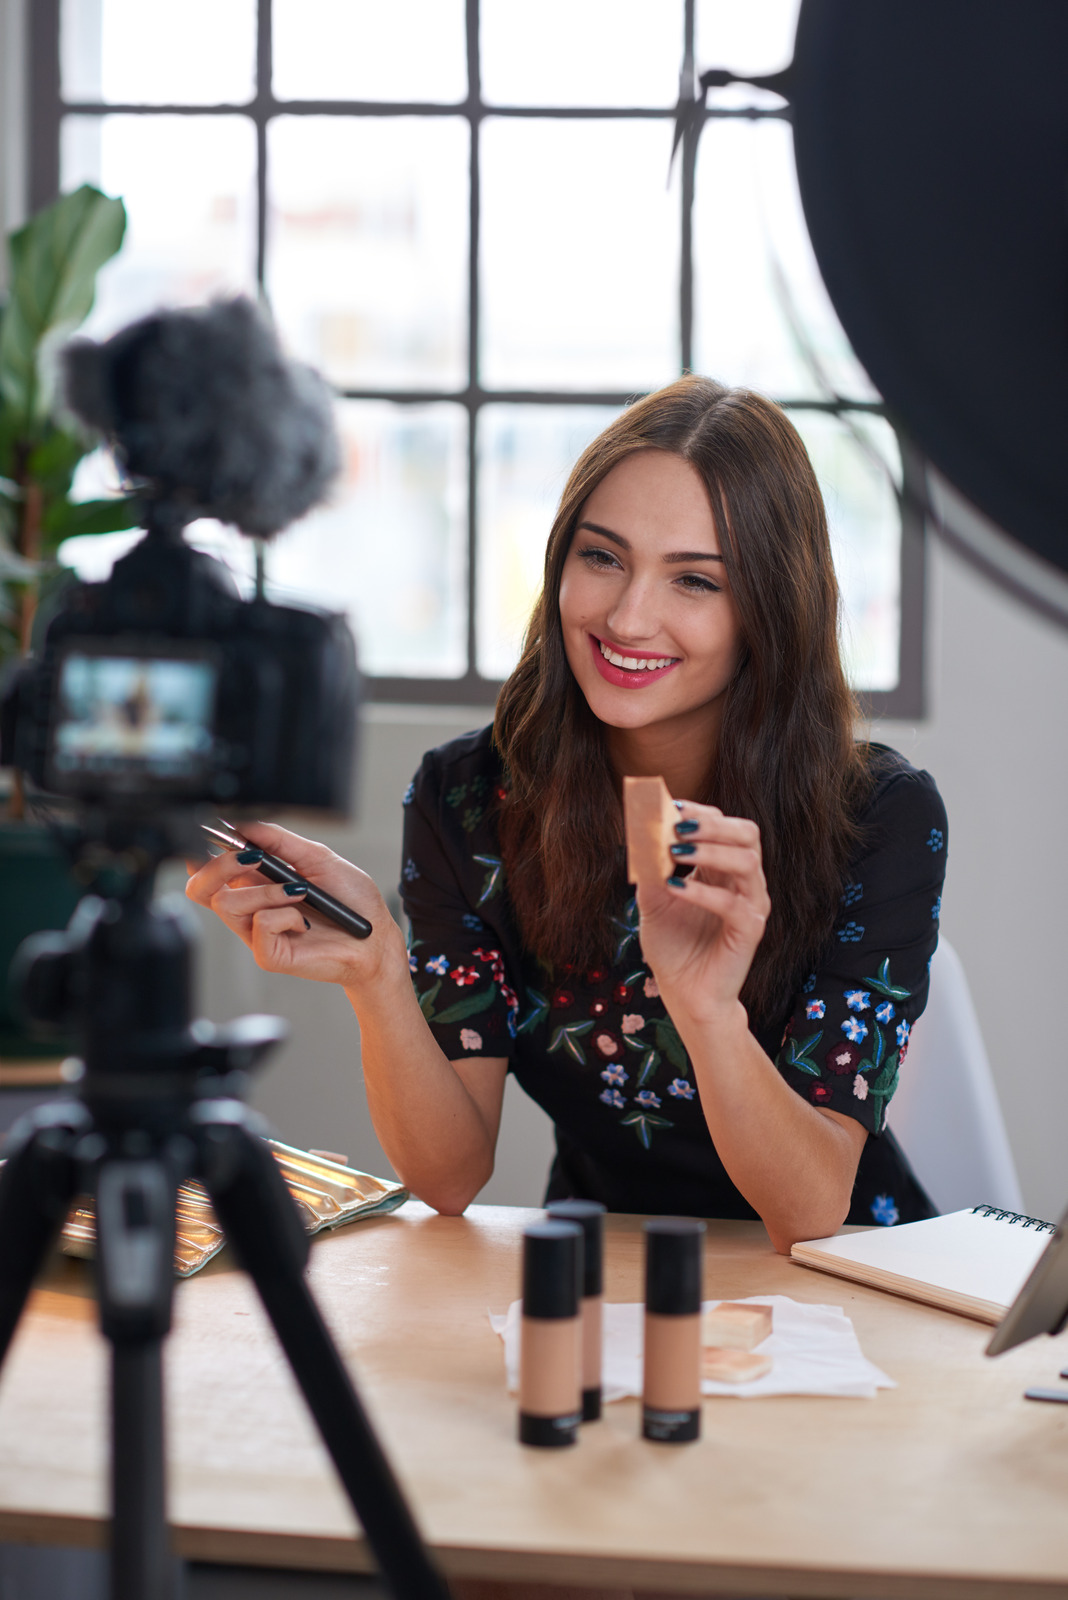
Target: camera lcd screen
(133,720)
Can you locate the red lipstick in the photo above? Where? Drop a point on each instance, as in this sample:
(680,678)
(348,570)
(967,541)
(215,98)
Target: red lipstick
(619,676)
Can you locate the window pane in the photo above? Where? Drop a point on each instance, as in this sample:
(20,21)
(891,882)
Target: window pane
(391,550)
(581,52)
(761,313)
(201,52)
(580,255)
(364,50)
(524,456)
(858,462)
(368,246)
(189,184)
(745,37)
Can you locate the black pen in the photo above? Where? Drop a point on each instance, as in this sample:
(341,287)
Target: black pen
(280,871)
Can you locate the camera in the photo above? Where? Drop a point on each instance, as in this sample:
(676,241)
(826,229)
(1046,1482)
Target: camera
(161,686)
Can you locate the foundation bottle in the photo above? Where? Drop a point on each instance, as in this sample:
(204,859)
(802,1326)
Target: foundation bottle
(671,1387)
(589,1214)
(550,1337)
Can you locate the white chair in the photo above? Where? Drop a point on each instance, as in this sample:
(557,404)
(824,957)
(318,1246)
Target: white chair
(945,1113)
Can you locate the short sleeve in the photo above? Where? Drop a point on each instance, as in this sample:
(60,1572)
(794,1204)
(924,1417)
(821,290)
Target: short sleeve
(451,893)
(848,1033)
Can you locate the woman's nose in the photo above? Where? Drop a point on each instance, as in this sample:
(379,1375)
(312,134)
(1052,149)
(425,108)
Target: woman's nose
(633,614)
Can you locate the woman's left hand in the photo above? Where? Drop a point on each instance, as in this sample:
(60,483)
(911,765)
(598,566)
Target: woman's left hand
(700,938)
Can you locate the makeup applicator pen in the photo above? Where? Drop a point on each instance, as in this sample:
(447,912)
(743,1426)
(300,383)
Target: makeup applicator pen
(280,871)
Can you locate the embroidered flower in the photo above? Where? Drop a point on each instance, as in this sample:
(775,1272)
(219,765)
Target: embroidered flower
(815,1010)
(612,1097)
(596,975)
(438,965)
(472,923)
(903,1030)
(501,792)
(650,990)
(936,909)
(681,1089)
(852,893)
(456,794)
(842,1058)
(411,871)
(562,1000)
(614,1075)
(413,961)
(819,1093)
(598,1008)
(647,1099)
(464,975)
(470,1039)
(497,972)
(885,1013)
(486,955)
(621,994)
(855,1029)
(510,996)
(857,999)
(852,933)
(809,984)
(860,1086)
(607,1046)
(884,1210)
(632,1023)
(935,839)
(409,794)
(902,1053)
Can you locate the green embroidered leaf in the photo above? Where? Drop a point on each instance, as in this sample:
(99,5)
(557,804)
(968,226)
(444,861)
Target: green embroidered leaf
(643,1122)
(883,985)
(539,1011)
(797,1055)
(632,977)
(878,1048)
(567,1038)
(667,1040)
(633,1043)
(884,1085)
(648,1067)
(492,878)
(426,1000)
(469,1007)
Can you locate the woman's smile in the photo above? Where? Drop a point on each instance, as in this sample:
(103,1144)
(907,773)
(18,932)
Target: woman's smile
(629,669)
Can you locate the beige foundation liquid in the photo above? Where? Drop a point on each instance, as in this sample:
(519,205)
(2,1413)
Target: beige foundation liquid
(671,1384)
(550,1336)
(589,1214)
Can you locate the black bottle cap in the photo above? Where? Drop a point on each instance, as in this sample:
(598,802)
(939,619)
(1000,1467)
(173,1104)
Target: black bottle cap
(552,1269)
(674,1259)
(589,1214)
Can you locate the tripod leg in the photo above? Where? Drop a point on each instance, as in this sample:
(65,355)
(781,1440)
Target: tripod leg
(259,1218)
(141,1562)
(37,1184)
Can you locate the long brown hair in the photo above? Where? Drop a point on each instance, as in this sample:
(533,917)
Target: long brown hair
(786,756)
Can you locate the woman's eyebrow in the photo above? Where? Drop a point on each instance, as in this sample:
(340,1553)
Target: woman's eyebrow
(674,556)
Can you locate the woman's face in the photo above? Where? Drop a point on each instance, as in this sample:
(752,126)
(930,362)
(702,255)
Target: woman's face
(650,627)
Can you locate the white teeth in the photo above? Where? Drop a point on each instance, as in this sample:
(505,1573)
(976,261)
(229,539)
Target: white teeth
(634,663)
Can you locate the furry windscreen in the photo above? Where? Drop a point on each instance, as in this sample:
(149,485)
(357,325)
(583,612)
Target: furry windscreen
(203,407)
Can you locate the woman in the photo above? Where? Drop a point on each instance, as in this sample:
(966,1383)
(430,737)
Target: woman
(724,1044)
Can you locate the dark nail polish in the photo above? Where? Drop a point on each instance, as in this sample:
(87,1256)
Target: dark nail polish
(307,924)
(687,826)
(677,883)
(677,804)
(295,888)
(683,849)
(249,857)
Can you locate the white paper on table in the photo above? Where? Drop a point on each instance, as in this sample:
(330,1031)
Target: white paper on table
(815,1351)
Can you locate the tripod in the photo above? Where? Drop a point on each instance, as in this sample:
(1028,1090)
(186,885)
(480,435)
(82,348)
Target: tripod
(159,1102)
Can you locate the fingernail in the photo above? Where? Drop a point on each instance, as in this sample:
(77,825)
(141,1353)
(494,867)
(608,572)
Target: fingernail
(295,888)
(249,857)
(683,849)
(677,804)
(307,924)
(689,826)
(677,883)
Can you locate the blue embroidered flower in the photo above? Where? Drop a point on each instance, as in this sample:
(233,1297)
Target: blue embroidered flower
(854,1029)
(411,871)
(612,1097)
(815,1009)
(903,1031)
(852,933)
(647,1099)
(471,922)
(413,961)
(885,1012)
(438,965)
(852,893)
(409,794)
(809,984)
(681,1089)
(857,999)
(614,1074)
(935,839)
(884,1210)
(936,908)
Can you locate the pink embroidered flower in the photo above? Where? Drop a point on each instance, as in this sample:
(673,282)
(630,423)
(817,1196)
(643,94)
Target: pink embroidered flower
(607,1045)
(632,1023)
(860,1086)
(470,1039)
(511,996)
(650,990)
(842,1058)
(464,975)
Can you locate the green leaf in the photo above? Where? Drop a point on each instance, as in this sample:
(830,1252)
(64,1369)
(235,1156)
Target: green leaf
(426,1000)
(538,1012)
(469,1007)
(797,1055)
(668,1041)
(52,462)
(642,1122)
(567,1038)
(492,878)
(633,1043)
(54,261)
(883,985)
(67,519)
(648,1067)
(632,977)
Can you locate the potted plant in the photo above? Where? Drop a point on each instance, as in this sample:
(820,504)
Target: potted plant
(53,264)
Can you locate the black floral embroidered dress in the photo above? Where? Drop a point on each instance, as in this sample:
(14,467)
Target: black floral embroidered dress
(597,1049)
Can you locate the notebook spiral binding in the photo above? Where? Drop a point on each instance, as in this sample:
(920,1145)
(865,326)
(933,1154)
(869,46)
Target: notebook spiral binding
(1014,1216)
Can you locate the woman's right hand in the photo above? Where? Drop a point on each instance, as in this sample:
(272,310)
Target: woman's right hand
(283,934)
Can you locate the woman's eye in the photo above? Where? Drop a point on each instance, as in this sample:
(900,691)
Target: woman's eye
(598,558)
(696,584)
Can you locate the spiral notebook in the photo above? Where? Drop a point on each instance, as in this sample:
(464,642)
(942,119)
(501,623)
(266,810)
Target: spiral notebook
(973,1262)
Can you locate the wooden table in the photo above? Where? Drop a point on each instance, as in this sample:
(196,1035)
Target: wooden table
(951,1485)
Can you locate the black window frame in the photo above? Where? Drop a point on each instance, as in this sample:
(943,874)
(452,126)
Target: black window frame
(47,109)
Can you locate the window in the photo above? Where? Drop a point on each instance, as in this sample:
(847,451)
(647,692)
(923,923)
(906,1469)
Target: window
(459,210)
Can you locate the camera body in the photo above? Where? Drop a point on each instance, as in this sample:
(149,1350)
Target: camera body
(161,687)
